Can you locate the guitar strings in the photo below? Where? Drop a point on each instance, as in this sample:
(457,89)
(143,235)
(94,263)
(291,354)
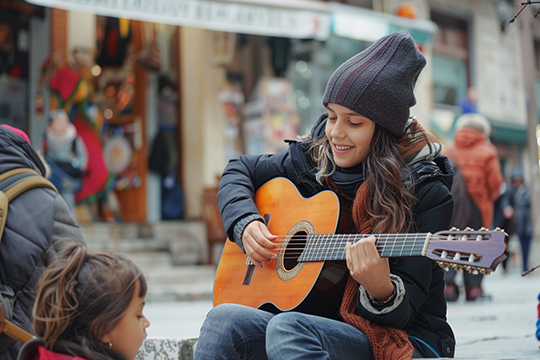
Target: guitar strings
(333,245)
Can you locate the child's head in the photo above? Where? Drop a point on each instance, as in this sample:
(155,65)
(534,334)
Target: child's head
(91,299)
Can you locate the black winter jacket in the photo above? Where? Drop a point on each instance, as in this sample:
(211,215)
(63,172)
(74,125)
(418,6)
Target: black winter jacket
(35,220)
(422,313)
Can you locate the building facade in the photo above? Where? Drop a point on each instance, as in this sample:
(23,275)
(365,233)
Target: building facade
(212,79)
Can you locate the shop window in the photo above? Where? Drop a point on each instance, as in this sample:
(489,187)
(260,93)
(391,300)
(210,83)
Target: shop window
(115,60)
(14,60)
(310,66)
(449,80)
(537,80)
(450,59)
(537,57)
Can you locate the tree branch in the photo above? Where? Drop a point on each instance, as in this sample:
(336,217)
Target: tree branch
(523,6)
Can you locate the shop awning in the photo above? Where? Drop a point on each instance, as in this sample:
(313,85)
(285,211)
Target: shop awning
(282,18)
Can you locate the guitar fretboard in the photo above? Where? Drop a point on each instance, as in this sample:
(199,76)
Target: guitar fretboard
(324,247)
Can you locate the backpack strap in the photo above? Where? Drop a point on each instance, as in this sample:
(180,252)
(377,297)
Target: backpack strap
(15,182)
(12,330)
(3,212)
(17,171)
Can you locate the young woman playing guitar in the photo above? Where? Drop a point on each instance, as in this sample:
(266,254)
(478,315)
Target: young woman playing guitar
(390,178)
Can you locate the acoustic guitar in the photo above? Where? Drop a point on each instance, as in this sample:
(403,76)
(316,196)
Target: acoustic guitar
(309,273)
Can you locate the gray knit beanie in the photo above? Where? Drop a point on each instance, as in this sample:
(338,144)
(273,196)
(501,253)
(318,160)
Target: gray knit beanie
(378,83)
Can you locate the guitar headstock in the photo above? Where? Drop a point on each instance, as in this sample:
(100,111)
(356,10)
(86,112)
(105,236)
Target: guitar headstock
(471,250)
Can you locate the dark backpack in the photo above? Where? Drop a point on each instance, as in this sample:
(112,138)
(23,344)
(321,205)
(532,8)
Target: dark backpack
(465,213)
(12,184)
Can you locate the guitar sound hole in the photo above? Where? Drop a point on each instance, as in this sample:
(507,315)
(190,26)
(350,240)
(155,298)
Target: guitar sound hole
(294,249)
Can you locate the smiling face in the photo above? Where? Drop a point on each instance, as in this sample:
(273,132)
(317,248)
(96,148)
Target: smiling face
(127,336)
(349,134)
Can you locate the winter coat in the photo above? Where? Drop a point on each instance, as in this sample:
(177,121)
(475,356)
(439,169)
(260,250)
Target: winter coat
(422,313)
(35,220)
(520,199)
(479,163)
(35,350)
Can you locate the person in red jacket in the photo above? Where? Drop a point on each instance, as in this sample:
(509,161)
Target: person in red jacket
(478,162)
(88,305)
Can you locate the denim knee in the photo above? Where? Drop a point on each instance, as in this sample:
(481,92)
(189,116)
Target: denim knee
(223,313)
(284,323)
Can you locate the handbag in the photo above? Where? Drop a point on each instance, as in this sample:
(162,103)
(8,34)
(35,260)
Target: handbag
(69,168)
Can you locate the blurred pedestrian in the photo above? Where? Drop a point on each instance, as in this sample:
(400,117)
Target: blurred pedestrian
(478,162)
(89,305)
(503,220)
(468,103)
(518,207)
(35,219)
(66,155)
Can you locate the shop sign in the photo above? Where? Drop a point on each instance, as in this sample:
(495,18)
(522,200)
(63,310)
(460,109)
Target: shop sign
(213,15)
(362,24)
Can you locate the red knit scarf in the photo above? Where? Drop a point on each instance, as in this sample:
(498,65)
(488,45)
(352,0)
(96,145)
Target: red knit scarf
(387,342)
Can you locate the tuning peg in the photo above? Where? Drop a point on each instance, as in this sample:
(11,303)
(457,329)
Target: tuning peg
(483,229)
(457,267)
(443,265)
(454,228)
(469,229)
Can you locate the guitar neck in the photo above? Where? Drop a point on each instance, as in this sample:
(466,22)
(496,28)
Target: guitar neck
(325,247)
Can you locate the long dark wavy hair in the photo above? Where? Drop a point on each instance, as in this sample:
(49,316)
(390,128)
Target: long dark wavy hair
(81,296)
(390,181)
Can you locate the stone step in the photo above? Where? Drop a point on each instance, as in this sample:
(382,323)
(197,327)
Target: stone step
(184,240)
(180,274)
(179,283)
(170,254)
(149,260)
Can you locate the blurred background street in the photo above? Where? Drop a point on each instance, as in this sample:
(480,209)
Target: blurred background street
(500,328)
(164,93)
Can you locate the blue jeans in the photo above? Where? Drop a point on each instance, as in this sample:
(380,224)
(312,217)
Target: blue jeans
(238,332)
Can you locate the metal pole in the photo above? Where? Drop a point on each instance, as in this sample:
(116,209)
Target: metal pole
(529,74)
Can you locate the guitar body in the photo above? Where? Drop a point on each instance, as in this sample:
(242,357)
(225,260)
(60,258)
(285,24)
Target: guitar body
(285,284)
(305,228)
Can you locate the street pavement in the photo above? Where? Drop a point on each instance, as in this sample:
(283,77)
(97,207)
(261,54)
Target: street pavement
(502,327)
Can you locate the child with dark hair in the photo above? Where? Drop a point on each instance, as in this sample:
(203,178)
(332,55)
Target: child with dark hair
(88,305)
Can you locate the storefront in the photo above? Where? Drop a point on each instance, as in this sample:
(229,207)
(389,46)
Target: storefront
(163,89)
(182,96)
